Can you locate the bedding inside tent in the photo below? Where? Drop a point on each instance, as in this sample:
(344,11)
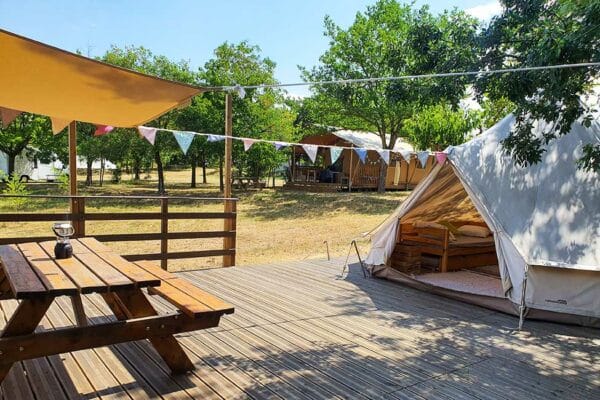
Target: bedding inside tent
(431,245)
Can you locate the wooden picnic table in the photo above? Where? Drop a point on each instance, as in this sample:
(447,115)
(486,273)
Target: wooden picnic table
(31,274)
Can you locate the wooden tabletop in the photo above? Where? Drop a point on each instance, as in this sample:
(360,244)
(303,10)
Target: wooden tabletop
(31,270)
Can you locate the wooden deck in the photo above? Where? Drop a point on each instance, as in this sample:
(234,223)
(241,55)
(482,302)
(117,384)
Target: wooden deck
(302,332)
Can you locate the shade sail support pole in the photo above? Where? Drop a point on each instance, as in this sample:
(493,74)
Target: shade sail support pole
(229,224)
(76,204)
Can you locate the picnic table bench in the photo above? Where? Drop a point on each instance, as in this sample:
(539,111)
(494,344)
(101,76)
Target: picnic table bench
(30,273)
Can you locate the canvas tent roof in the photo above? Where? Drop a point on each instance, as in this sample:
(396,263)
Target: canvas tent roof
(42,79)
(362,139)
(369,140)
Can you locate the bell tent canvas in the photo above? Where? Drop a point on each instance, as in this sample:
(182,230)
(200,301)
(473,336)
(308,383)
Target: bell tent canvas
(543,246)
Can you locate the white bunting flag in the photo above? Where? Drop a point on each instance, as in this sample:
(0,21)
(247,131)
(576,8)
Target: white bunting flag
(280,145)
(184,139)
(406,155)
(248,143)
(59,124)
(214,138)
(335,153)
(311,151)
(8,115)
(423,156)
(148,133)
(385,155)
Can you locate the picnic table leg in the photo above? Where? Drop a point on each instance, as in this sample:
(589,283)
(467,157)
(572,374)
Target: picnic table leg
(78,310)
(25,319)
(134,304)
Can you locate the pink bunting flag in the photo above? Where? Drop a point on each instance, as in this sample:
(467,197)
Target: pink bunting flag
(103,130)
(8,115)
(148,133)
(441,157)
(58,124)
(248,143)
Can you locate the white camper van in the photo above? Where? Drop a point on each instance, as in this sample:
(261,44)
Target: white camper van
(32,169)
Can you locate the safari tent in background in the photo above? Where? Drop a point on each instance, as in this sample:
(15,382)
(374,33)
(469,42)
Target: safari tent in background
(523,240)
(348,172)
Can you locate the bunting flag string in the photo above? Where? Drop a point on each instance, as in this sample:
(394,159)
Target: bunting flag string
(8,115)
(58,124)
(362,154)
(148,133)
(184,139)
(311,151)
(406,155)
(440,156)
(103,130)
(335,153)
(423,156)
(385,155)
(248,143)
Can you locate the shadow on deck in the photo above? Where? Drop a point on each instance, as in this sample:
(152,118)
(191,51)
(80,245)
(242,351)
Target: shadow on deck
(302,331)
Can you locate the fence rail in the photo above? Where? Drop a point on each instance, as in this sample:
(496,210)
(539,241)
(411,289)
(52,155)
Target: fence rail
(78,217)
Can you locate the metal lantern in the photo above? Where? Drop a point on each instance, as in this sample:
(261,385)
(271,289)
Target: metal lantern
(63,231)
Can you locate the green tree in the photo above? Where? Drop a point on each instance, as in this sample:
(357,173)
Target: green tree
(439,126)
(537,33)
(391,39)
(142,60)
(19,134)
(260,114)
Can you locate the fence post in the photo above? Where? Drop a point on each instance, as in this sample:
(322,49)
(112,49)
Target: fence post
(229,242)
(164,230)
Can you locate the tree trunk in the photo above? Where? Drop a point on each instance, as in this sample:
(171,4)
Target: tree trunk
(193,162)
(221,182)
(88,172)
(159,170)
(383,167)
(102,170)
(11,164)
(203,161)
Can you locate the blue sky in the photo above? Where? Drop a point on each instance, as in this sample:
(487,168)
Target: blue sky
(288,32)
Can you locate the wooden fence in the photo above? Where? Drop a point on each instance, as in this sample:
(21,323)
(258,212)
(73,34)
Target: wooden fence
(79,216)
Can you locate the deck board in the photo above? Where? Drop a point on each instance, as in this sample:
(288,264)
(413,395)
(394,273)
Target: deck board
(300,331)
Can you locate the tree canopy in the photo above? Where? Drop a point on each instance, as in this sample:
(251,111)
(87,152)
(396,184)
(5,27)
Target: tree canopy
(537,33)
(391,39)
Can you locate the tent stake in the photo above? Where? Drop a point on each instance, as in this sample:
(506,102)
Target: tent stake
(522,306)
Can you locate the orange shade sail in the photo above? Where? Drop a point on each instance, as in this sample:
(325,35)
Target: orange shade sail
(45,80)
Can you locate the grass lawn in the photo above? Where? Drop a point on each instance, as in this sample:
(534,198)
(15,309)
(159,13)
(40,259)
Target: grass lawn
(273,224)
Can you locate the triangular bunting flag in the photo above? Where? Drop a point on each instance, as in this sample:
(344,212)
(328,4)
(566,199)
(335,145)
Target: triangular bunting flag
(440,156)
(148,133)
(406,155)
(335,153)
(103,130)
(362,154)
(311,151)
(184,139)
(385,155)
(214,138)
(423,156)
(280,145)
(59,124)
(8,115)
(248,143)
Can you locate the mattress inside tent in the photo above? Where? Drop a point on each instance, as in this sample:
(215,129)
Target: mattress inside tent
(465,281)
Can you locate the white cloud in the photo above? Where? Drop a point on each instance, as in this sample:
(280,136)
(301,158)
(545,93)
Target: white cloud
(486,11)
